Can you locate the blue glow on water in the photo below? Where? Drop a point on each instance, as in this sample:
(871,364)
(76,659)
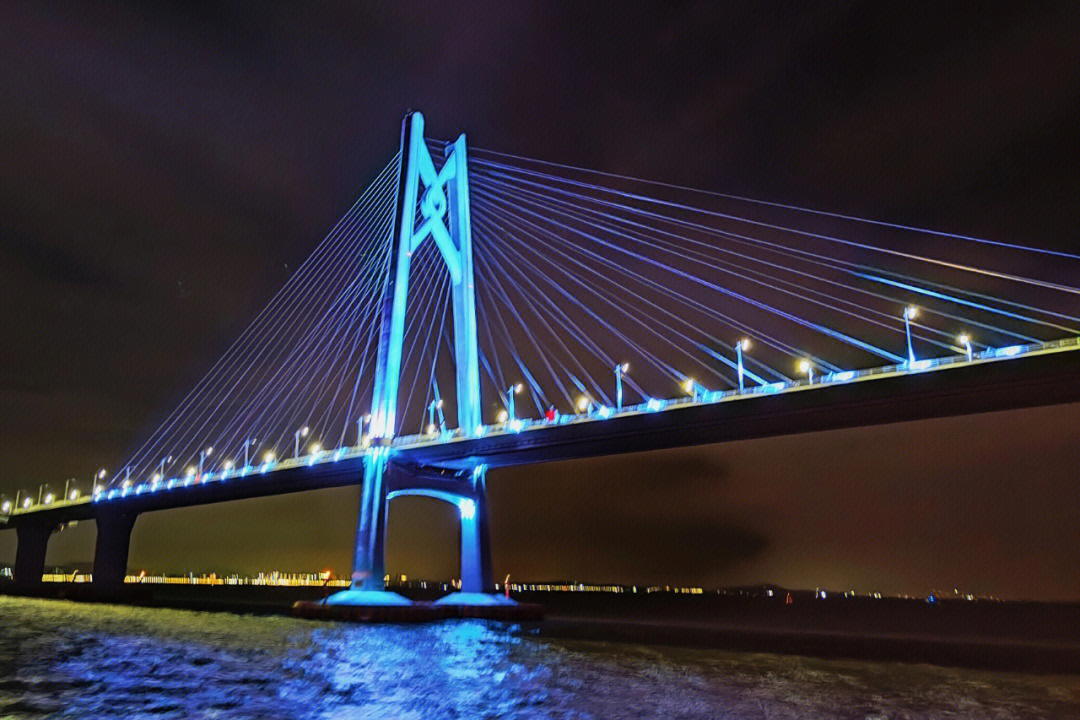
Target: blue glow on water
(74,660)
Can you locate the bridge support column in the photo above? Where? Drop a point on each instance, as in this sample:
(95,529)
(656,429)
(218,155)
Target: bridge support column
(476,580)
(33,542)
(369,559)
(111,552)
(475,541)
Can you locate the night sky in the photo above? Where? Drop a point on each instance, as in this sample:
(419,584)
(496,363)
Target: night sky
(162,173)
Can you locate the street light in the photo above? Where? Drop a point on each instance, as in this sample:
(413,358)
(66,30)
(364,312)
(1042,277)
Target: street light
(910,313)
(805,366)
(302,432)
(510,393)
(48,498)
(268,457)
(360,429)
(692,387)
(249,443)
(5,508)
(584,403)
(202,458)
(620,370)
(740,346)
(502,416)
(227,465)
(315,448)
(435,405)
(964,340)
(73,494)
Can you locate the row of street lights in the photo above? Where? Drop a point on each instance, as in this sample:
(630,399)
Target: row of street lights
(585,404)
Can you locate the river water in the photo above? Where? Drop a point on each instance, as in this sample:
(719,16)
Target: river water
(64,659)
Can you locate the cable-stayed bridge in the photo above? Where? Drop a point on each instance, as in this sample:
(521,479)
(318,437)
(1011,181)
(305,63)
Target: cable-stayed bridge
(475,310)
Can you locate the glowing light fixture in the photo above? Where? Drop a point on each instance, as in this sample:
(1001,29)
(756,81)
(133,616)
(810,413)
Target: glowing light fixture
(965,341)
(741,347)
(301,433)
(807,368)
(910,313)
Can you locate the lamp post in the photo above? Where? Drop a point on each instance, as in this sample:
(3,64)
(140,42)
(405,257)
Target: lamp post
(99,475)
(203,454)
(302,432)
(965,340)
(510,393)
(584,404)
(620,370)
(435,405)
(161,465)
(249,443)
(910,312)
(805,366)
(740,346)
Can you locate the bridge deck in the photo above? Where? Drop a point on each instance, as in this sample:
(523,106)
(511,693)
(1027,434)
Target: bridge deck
(1004,379)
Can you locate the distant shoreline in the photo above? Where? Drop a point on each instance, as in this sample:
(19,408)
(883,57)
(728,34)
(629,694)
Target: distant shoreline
(999,635)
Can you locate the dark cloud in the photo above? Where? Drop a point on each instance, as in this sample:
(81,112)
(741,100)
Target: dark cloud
(165,166)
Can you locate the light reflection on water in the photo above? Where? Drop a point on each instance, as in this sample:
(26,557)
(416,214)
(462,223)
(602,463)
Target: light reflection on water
(63,659)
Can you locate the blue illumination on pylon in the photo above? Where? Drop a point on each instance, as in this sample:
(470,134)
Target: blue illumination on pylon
(444,208)
(445,217)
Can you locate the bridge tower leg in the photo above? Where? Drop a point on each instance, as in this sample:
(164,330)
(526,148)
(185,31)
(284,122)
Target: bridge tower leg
(475,540)
(33,543)
(442,197)
(111,552)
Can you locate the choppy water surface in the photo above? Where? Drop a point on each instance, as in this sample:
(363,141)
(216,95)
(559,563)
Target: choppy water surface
(61,659)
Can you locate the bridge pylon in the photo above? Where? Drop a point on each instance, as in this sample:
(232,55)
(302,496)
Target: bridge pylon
(440,195)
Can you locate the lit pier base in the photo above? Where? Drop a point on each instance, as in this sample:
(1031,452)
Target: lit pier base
(33,543)
(111,552)
(368,600)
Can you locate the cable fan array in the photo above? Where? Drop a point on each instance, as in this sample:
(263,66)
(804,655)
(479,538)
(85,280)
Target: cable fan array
(587,283)
(583,273)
